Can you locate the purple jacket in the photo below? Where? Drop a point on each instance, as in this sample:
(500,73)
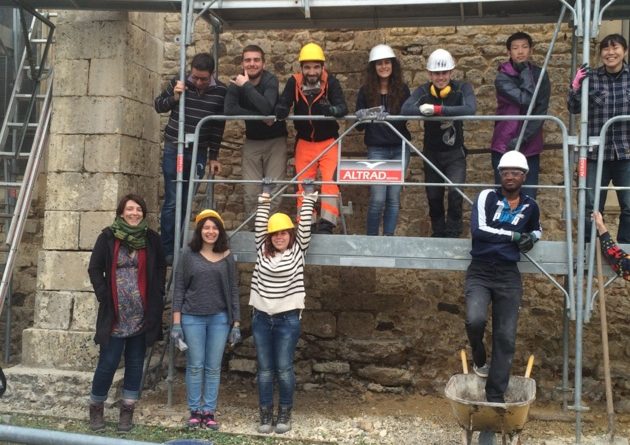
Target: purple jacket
(514,94)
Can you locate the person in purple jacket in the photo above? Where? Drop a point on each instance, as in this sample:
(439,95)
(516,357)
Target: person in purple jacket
(515,83)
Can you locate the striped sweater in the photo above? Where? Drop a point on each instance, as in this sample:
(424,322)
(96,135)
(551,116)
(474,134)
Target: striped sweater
(199,104)
(278,282)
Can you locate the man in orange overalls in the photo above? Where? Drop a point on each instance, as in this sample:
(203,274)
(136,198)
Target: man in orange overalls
(313,91)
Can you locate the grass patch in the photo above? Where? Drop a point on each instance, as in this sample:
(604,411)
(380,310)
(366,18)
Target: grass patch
(156,434)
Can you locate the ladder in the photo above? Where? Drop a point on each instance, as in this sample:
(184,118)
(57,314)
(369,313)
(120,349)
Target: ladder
(23,137)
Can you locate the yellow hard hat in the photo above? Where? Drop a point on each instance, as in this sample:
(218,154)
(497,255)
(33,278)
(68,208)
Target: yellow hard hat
(312,52)
(207,213)
(278,222)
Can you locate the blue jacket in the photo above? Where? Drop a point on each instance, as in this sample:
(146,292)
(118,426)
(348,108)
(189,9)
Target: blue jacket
(492,225)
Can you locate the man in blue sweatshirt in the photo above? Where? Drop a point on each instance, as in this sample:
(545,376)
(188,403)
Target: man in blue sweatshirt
(504,222)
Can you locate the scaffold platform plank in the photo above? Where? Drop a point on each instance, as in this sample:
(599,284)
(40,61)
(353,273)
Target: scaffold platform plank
(318,14)
(404,252)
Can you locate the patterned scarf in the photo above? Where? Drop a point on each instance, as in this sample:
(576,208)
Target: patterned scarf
(134,237)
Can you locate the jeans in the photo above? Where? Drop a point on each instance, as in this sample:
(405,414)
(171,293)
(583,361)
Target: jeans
(619,173)
(385,199)
(169,169)
(276,337)
(205,336)
(108,360)
(533,162)
(499,284)
(452,163)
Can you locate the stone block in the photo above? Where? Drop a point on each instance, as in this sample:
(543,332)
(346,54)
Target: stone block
(135,116)
(243,365)
(141,84)
(71,77)
(320,324)
(107,78)
(386,376)
(45,348)
(90,39)
(61,230)
(76,191)
(70,16)
(332,367)
(151,23)
(90,226)
(84,312)
(87,115)
(102,153)
(355,324)
(65,153)
(389,352)
(143,49)
(53,310)
(63,271)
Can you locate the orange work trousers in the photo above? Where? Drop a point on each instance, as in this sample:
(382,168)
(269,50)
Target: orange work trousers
(305,152)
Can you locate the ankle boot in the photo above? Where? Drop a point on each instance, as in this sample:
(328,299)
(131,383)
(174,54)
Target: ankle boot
(284,419)
(97,422)
(266,419)
(125,422)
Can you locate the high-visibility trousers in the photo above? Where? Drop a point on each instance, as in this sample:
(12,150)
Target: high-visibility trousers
(305,152)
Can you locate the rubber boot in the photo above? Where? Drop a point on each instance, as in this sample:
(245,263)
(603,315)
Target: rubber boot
(125,422)
(97,422)
(266,420)
(284,419)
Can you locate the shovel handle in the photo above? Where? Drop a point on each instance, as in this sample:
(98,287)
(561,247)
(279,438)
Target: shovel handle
(462,354)
(530,365)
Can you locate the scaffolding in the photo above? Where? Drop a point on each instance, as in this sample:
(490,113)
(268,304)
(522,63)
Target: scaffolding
(550,258)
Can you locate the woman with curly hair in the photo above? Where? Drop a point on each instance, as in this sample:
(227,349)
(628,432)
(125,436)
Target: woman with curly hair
(384,86)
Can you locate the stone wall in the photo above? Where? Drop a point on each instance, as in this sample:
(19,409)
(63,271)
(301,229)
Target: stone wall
(386,329)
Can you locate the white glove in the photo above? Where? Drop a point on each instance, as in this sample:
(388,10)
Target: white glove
(427,109)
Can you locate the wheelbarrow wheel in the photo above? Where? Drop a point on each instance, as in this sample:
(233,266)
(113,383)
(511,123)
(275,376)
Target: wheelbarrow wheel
(487,438)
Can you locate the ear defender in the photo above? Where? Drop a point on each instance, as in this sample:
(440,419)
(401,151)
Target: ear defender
(440,94)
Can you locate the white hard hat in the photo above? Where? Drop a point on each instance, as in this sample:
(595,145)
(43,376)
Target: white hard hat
(513,159)
(380,52)
(440,60)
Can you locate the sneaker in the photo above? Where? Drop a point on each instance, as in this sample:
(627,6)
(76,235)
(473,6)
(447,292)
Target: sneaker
(194,420)
(482,371)
(208,420)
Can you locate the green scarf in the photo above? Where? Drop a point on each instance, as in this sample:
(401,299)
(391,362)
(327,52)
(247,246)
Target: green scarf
(134,237)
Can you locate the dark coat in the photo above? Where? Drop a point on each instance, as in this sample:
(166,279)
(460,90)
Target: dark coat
(100,271)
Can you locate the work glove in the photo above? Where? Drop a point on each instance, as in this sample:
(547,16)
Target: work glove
(519,66)
(331,110)
(176,332)
(267,185)
(580,75)
(377,113)
(430,109)
(512,144)
(282,112)
(363,113)
(308,186)
(234,336)
(526,242)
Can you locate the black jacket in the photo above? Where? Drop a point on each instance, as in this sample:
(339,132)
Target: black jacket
(330,97)
(100,271)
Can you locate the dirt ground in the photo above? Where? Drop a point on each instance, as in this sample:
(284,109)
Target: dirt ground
(239,397)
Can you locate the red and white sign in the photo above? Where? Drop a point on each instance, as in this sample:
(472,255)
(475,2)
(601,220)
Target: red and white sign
(364,170)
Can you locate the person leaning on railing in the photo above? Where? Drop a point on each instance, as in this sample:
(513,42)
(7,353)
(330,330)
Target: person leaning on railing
(615,255)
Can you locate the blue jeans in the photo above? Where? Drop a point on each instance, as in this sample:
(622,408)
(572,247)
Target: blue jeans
(499,284)
(385,199)
(276,337)
(169,169)
(108,361)
(205,336)
(533,162)
(619,173)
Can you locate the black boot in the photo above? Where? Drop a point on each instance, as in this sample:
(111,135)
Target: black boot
(266,419)
(97,422)
(283,423)
(325,227)
(125,422)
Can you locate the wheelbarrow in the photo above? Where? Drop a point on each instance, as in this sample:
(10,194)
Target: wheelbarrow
(467,397)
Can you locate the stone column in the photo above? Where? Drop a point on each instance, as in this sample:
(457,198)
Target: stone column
(104,143)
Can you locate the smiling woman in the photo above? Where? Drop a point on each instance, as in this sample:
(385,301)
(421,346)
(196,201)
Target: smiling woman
(127,270)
